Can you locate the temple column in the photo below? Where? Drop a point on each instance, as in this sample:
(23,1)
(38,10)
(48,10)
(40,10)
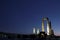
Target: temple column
(42,25)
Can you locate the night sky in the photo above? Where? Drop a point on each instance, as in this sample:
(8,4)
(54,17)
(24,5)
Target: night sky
(20,16)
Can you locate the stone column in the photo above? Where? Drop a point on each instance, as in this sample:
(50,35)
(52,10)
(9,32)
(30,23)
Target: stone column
(48,27)
(42,25)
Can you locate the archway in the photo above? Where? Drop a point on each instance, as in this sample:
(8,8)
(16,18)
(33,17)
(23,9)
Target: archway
(43,19)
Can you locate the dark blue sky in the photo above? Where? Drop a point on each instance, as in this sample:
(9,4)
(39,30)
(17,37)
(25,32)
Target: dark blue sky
(20,16)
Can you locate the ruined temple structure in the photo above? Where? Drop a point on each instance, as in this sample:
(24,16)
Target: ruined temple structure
(49,28)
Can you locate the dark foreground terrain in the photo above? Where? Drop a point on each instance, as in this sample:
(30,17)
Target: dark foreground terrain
(30,38)
(12,36)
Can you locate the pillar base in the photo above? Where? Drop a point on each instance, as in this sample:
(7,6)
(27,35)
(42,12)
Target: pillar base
(42,35)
